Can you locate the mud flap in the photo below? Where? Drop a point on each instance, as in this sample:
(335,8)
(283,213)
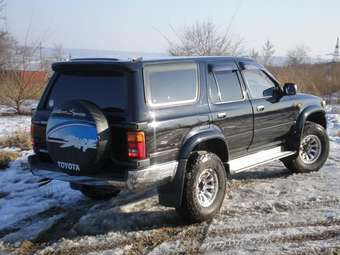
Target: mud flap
(171,194)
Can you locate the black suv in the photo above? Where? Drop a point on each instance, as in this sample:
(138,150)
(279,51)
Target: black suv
(184,125)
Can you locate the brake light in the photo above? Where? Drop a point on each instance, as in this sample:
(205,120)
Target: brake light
(136,145)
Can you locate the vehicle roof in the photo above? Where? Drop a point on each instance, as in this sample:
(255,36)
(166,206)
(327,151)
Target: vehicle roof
(160,59)
(135,63)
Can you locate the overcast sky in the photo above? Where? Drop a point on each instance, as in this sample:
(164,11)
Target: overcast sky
(138,25)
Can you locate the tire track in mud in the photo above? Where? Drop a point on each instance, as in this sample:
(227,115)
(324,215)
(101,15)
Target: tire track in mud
(273,226)
(191,237)
(263,207)
(294,238)
(136,243)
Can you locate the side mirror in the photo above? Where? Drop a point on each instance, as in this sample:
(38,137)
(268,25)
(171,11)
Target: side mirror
(290,89)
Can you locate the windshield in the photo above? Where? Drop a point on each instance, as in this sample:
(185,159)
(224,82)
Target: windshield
(106,90)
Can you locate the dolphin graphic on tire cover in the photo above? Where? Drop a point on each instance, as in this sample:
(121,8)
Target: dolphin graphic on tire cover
(78,137)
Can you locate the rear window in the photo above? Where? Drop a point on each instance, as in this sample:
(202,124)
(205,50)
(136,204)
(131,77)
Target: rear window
(107,90)
(227,87)
(171,84)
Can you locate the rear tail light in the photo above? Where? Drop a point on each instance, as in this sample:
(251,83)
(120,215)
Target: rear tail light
(32,134)
(136,145)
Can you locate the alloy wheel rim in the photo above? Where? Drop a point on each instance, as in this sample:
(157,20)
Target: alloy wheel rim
(207,187)
(310,149)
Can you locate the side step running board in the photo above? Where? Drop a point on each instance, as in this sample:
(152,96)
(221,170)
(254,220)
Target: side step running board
(258,158)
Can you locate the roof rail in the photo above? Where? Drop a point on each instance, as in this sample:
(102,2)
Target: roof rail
(94,59)
(137,59)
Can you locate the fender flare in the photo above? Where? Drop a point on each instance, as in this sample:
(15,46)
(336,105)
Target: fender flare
(300,123)
(303,116)
(198,135)
(171,193)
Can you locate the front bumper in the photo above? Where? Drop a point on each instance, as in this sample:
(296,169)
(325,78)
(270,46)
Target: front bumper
(134,179)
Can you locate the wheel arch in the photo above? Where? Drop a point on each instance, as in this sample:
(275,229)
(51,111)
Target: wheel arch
(312,113)
(208,138)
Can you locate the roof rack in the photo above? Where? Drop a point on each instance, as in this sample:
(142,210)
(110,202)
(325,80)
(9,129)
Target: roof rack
(94,59)
(137,59)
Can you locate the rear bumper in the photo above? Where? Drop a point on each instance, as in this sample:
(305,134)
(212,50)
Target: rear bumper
(134,179)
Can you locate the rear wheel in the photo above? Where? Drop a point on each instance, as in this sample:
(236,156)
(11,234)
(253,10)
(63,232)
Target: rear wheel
(96,193)
(313,150)
(204,187)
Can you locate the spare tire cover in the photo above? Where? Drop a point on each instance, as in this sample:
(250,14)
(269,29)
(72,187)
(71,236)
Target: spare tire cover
(78,137)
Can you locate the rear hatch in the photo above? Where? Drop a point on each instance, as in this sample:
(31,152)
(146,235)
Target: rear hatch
(108,88)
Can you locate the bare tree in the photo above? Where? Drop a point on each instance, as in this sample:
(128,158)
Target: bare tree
(6,48)
(297,56)
(253,53)
(203,38)
(268,52)
(6,41)
(58,52)
(19,86)
(22,78)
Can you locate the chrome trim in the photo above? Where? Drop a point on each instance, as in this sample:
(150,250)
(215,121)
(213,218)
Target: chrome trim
(258,158)
(60,176)
(39,122)
(207,187)
(310,149)
(175,103)
(152,176)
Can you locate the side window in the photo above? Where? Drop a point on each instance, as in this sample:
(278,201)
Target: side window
(169,84)
(225,86)
(258,83)
(213,90)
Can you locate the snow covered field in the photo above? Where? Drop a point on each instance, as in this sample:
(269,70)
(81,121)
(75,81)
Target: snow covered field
(267,210)
(11,124)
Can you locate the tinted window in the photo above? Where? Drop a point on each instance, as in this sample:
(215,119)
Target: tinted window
(228,86)
(171,83)
(108,91)
(258,83)
(213,90)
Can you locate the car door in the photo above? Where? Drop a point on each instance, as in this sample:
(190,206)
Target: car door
(274,114)
(230,108)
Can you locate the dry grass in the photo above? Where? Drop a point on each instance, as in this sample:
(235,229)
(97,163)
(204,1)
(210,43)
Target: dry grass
(26,247)
(317,79)
(21,140)
(6,157)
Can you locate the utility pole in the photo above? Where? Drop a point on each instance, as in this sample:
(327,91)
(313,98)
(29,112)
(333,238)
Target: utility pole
(336,51)
(40,56)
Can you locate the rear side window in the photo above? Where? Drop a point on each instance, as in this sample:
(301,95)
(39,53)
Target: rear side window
(108,90)
(225,87)
(171,84)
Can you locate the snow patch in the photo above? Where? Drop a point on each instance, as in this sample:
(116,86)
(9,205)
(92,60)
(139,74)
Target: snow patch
(11,124)
(25,199)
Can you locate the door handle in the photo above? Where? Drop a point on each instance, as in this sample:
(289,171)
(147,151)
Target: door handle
(260,108)
(221,115)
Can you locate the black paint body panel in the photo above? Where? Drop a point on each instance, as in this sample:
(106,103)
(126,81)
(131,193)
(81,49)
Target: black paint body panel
(172,132)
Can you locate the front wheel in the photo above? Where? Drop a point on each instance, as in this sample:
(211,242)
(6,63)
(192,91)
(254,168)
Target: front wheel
(204,187)
(313,150)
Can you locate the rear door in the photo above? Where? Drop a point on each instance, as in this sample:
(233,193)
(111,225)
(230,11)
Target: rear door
(230,108)
(109,90)
(274,114)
